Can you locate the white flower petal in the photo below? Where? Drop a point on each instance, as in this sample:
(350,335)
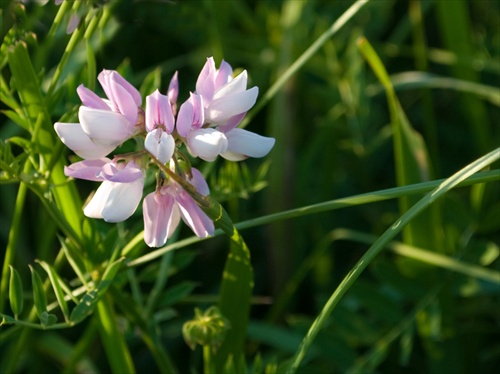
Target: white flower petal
(103,127)
(73,136)
(160,144)
(243,143)
(237,85)
(223,108)
(206,144)
(114,201)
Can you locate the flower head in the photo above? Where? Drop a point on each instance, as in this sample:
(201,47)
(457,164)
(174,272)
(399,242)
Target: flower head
(206,123)
(120,193)
(104,124)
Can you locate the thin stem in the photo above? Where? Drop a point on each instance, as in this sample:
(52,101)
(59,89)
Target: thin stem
(366,198)
(207,359)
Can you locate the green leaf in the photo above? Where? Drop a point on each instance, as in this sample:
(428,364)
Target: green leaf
(74,259)
(16,292)
(411,157)
(235,295)
(56,285)
(178,292)
(85,307)
(39,297)
(89,301)
(48,319)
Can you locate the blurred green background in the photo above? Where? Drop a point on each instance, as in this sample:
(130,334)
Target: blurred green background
(333,139)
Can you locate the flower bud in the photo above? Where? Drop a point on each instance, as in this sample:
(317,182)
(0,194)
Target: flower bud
(207,328)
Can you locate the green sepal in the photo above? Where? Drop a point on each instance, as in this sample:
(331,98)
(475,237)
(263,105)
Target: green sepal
(16,296)
(47,319)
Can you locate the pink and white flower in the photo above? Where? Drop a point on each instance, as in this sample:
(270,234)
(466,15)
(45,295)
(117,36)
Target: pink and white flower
(159,125)
(120,192)
(164,208)
(104,124)
(208,119)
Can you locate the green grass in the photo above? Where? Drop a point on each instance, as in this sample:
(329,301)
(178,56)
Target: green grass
(367,241)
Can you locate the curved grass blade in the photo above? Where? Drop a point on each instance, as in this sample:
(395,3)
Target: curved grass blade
(381,242)
(326,206)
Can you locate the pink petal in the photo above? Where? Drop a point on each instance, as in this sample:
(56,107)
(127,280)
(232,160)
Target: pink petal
(109,77)
(159,112)
(73,136)
(90,99)
(191,115)
(231,123)
(87,169)
(205,84)
(123,173)
(224,74)
(161,218)
(243,144)
(173,89)
(74,20)
(199,182)
(194,216)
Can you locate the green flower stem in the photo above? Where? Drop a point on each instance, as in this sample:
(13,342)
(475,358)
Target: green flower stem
(75,37)
(381,242)
(117,351)
(345,202)
(308,53)
(207,359)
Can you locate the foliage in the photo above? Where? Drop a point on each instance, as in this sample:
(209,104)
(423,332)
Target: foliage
(368,241)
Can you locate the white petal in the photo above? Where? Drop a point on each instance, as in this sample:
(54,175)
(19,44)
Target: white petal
(114,201)
(103,127)
(73,136)
(160,144)
(237,85)
(223,108)
(243,143)
(207,144)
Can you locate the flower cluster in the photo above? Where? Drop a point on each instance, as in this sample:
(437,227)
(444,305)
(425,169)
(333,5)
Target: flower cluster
(206,123)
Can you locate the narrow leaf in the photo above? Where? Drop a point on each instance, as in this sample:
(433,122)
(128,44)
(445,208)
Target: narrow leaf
(39,297)
(56,285)
(15,292)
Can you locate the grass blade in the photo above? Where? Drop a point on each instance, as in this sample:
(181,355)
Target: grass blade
(381,242)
